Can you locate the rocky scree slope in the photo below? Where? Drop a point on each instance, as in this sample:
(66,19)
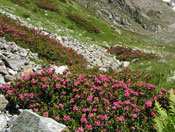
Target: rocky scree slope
(135,15)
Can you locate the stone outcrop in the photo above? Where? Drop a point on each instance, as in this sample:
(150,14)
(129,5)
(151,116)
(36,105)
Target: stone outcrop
(15,62)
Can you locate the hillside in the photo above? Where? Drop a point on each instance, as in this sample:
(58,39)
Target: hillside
(92,65)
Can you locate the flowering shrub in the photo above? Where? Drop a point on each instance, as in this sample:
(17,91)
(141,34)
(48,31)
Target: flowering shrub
(98,103)
(82,22)
(128,54)
(47,49)
(47,6)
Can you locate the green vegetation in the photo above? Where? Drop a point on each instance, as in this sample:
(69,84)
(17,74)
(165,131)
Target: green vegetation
(128,95)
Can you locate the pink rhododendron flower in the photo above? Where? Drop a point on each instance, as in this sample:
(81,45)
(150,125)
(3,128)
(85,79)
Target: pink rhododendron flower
(80,129)
(77,96)
(58,85)
(46,114)
(126,102)
(134,115)
(66,118)
(137,110)
(75,108)
(89,127)
(91,115)
(57,118)
(35,110)
(44,79)
(105,117)
(90,97)
(83,120)
(133,128)
(105,85)
(72,101)
(153,114)
(33,81)
(31,95)
(149,103)
(96,123)
(60,106)
(121,118)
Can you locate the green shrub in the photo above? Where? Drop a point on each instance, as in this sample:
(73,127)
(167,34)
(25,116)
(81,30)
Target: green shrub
(47,6)
(84,23)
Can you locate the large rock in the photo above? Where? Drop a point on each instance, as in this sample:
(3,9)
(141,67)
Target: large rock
(2,81)
(3,102)
(3,122)
(14,63)
(29,121)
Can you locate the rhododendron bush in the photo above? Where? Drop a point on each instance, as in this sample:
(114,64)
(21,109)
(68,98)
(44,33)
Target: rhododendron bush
(128,54)
(94,102)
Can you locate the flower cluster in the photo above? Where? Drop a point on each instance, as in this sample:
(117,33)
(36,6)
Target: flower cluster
(47,6)
(84,23)
(47,48)
(128,54)
(94,102)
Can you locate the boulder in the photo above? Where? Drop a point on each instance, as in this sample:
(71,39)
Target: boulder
(3,102)
(29,121)
(3,122)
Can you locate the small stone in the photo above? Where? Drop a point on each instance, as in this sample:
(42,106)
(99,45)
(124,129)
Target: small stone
(3,70)
(126,64)
(12,72)
(3,102)
(9,78)
(2,81)
(60,70)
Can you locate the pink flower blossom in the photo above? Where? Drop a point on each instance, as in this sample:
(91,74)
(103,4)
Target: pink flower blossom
(46,114)
(96,123)
(105,117)
(83,120)
(126,102)
(137,110)
(75,108)
(89,127)
(121,118)
(80,129)
(31,95)
(134,115)
(149,103)
(133,128)
(91,115)
(60,106)
(66,118)
(33,81)
(72,101)
(77,96)
(90,97)
(35,110)
(153,114)
(58,85)
(57,118)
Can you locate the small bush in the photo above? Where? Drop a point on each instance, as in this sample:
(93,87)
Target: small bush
(128,54)
(84,23)
(47,6)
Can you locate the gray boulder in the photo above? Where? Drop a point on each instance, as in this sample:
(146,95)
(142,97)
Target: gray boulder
(3,102)
(29,121)
(3,122)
